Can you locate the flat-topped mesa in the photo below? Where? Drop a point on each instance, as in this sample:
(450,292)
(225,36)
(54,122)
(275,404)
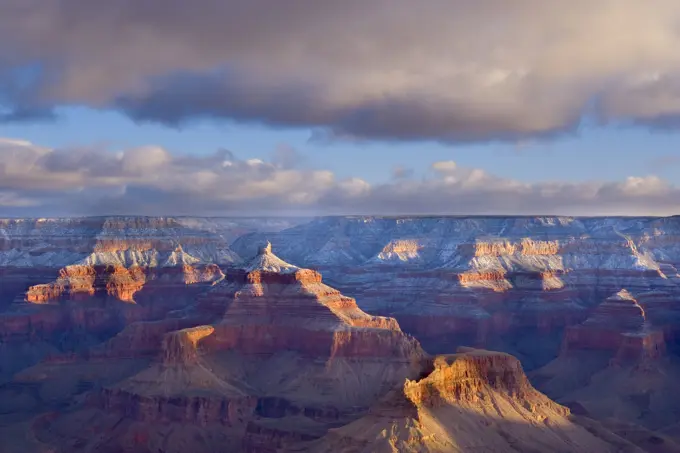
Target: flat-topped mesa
(468,376)
(180,347)
(401,251)
(619,324)
(526,246)
(82,281)
(471,401)
(275,306)
(79,282)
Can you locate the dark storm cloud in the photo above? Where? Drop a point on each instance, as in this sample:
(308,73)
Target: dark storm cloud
(448,70)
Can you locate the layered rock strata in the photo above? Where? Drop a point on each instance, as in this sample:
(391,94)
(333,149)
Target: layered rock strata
(286,359)
(275,306)
(473,400)
(619,324)
(68,284)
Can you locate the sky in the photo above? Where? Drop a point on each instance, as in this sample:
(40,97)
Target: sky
(263,107)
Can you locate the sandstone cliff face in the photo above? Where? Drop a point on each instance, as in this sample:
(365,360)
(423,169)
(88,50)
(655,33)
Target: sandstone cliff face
(272,367)
(466,376)
(81,282)
(473,400)
(181,346)
(615,365)
(540,273)
(276,306)
(272,344)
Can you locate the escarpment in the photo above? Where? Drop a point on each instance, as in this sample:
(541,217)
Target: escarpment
(616,364)
(272,367)
(618,324)
(147,334)
(466,375)
(276,306)
(472,400)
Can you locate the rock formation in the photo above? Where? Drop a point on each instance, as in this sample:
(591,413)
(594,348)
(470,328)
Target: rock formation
(619,324)
(259,354)
(471,401)
(68,284)
(276,306)
(287,358)
(513,283)
(615,365)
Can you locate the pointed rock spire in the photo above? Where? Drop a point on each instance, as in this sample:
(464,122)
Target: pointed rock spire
(265,249)
(266,261)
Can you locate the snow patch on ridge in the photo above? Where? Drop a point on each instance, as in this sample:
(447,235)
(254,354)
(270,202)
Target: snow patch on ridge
(400,250)
(266,261)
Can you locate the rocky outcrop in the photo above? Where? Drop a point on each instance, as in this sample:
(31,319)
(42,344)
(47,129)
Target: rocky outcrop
(401,250)
(276,306)
(468,375)
(499,248)
(272,368)
(140,322)
(468,401)
(527,273)
(81,282)
(142,339)
(181,346)
(615,365)
(662,310)
(619,325)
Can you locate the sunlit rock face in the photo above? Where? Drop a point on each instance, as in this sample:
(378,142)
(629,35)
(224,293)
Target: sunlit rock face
(473,400)
(66,284)
(276,306)
(32,251)
(268,353)
(486,281)
(202,332)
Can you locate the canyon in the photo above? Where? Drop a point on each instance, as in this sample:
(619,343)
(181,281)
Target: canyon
(148,334)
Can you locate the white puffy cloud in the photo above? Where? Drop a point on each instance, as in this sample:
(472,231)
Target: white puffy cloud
(141,160)
(37,181)
(446,166)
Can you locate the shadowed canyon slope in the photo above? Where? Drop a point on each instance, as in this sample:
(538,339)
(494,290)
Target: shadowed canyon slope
(267,356)
(186,334)
(483,280)
(471,401)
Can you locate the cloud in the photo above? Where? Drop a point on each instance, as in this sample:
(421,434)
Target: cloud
(400,172)
(445,166)
(286,156)
(13,200)
(39,181)
(449,70)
